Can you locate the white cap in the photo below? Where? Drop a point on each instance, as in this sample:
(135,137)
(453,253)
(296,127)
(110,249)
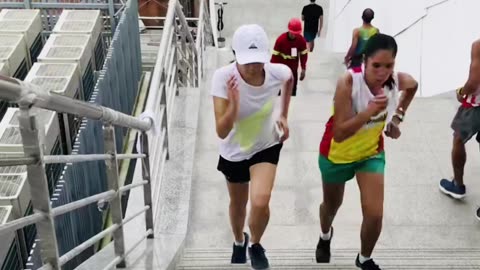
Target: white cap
(250,43)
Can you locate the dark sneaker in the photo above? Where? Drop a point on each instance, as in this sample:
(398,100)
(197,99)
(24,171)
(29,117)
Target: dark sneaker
(450,188)
(368,265)
(478,213)
(239,254)
(257,257)
(322,253)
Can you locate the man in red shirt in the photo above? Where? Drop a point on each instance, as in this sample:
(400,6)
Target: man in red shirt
(289,48)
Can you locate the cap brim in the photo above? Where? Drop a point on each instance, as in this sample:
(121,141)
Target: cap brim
(296,32)
(252,57)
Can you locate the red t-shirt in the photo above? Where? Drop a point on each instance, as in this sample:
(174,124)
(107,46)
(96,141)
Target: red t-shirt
(288,51)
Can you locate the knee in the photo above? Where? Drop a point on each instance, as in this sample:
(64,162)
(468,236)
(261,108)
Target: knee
(374,216)
(238,204)
(261,201)
(332,206)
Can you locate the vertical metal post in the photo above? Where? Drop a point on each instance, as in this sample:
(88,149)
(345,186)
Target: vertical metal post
(37,179)
(111,11)
(116,202)
(27,4)
(163,103)
(147,188)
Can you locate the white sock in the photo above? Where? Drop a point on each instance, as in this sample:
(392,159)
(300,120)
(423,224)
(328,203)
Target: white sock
(240,244)
(326,236)
(362,258)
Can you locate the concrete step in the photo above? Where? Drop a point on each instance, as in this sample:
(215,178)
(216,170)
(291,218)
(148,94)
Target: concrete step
(465,259)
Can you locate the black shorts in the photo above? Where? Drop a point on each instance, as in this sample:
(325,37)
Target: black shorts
(239,171)
(466,123)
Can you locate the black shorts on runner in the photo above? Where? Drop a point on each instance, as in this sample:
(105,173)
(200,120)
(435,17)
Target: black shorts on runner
(466,123)
(239,171)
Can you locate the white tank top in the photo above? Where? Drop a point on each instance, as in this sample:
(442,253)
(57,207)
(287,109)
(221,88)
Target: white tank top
(361,96)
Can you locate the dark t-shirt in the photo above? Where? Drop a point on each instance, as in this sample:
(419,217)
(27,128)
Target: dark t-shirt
(311,13)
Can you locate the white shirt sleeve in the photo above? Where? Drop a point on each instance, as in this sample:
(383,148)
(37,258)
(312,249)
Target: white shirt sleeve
(219,84)
(281,72)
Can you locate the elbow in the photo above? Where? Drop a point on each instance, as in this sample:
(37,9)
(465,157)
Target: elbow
(339,136)
(221,134)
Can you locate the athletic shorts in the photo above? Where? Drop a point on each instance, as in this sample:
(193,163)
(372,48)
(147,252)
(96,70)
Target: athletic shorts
(309,36)
(466,123)
(334,173)
(239,171)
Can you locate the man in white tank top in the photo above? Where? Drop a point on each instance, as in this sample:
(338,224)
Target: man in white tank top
(466,124)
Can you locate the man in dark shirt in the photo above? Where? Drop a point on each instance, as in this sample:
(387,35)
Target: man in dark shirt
(312,14)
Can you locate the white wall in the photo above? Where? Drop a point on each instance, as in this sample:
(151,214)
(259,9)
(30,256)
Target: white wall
(434,36)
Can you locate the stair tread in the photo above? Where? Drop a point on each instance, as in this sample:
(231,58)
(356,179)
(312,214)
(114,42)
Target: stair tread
(201,258)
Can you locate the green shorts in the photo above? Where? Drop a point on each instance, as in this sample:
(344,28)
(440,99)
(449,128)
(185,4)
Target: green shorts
(341,173)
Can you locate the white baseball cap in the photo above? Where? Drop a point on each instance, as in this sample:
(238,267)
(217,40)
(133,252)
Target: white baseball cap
(250,43)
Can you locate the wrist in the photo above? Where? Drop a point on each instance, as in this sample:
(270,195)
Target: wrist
(396,121)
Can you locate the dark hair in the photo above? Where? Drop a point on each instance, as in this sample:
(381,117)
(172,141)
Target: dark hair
(382,42)
(313,1)
(368,15)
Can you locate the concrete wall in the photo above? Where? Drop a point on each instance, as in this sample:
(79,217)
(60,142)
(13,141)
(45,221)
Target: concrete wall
(434,36)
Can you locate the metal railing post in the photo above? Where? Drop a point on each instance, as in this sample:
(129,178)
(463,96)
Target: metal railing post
(37,180)
(116,202)
(147,188)
(163,102)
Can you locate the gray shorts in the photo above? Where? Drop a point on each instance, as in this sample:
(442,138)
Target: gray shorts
(466,123)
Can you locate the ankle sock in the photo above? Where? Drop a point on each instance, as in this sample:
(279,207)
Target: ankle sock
(326,236)
(362,258)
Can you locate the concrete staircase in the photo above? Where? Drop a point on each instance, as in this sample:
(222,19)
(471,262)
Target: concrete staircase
(439,259)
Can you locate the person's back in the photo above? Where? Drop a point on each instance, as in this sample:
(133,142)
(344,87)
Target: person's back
(360,38)
(364,34)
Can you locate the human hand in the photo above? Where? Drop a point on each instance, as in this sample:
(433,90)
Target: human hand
(393,130)
(302,75)
(377,105)
(282,124)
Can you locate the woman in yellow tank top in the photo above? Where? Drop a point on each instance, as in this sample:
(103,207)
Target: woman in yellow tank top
(365,106)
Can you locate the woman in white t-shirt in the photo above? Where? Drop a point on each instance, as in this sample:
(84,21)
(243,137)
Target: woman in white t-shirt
(252,129)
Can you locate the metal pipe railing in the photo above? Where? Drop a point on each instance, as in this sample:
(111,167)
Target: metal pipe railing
(107,195)
(28,95)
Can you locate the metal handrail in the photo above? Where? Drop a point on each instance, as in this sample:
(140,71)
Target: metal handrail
(29,95)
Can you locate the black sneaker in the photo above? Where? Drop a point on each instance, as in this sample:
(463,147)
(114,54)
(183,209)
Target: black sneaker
(368,265)
(257,257)
(239,254)
(322,254)
(477,214)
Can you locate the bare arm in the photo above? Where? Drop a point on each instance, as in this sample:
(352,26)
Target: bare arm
(224,116)
(286,94)
(408,85)
(353,46)
(346,123)
(473,82)
(320,25)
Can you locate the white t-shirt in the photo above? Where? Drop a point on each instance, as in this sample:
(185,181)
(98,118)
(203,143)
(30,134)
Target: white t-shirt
(259,109)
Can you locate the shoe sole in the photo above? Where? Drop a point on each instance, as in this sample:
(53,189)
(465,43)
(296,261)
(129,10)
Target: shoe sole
(451,194)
